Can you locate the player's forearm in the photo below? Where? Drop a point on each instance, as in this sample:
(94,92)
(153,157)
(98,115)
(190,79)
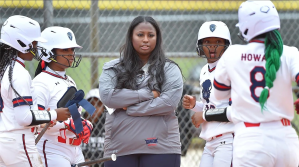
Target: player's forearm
(163,105)
(24,116)
(198,107)
(119,98)
(218,114)
(149,108)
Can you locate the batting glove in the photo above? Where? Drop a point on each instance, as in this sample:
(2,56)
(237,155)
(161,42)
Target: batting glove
(87,129)
(70,126)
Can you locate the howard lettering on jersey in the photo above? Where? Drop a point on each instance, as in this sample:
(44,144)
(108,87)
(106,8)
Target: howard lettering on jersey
(252,57)
(151,141)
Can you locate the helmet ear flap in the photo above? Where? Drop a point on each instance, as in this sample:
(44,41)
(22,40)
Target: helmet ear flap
(227,43)
(199,48)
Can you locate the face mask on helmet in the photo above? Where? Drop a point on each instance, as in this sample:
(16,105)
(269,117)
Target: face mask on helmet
(72,60)
(213,39)
(209,50)
(59,38)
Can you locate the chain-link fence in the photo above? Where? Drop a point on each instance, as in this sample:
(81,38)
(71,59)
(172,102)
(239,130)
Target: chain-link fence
(100,27)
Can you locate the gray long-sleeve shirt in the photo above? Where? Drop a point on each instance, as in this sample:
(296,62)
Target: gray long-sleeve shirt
(149,124)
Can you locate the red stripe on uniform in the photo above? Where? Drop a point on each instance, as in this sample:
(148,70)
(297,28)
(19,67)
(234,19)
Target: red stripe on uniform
(24,144)
(211,70)
(285,122)
(258,41)
(44,152)
(40,107)
(252,124)
(21,100)
(221,86)
(21,63)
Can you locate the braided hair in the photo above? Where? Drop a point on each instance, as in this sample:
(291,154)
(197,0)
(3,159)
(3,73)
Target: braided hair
(7,55)
(273,52)
(40,67)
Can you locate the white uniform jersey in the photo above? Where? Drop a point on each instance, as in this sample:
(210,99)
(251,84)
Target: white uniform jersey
(212,129)
(9,101)
(49,87)
(240,75)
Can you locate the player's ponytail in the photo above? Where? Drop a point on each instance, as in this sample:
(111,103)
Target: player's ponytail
(273,52)
(40,67)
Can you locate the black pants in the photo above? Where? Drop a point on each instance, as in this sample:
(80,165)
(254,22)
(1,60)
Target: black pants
(146,160)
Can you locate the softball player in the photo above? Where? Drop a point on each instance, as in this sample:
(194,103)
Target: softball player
(258,77)
(60,146)
(18,114)
(213,40)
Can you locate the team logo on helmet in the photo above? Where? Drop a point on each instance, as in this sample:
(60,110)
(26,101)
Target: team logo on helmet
(265,9)
(212,27)
(70,35)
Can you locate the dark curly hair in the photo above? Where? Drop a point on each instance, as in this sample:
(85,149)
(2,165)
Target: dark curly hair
(130,64)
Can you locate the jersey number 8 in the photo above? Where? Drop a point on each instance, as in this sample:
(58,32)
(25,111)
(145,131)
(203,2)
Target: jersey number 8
(255,83)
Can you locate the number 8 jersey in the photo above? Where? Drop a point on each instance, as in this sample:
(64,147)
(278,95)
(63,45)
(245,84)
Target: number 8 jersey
(240,75)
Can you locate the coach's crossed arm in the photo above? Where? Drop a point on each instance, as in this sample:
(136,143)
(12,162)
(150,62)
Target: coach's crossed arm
(120,98)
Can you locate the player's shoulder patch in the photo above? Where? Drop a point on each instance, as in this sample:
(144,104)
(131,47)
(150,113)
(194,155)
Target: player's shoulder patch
(110,64)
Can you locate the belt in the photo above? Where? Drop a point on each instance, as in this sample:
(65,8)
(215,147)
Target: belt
(285,122)
(72,141)
(216,137)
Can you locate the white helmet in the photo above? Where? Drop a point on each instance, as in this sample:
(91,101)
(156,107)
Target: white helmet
(58,38)
(19,32)
(256,18)
(93,93)
(212,29)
